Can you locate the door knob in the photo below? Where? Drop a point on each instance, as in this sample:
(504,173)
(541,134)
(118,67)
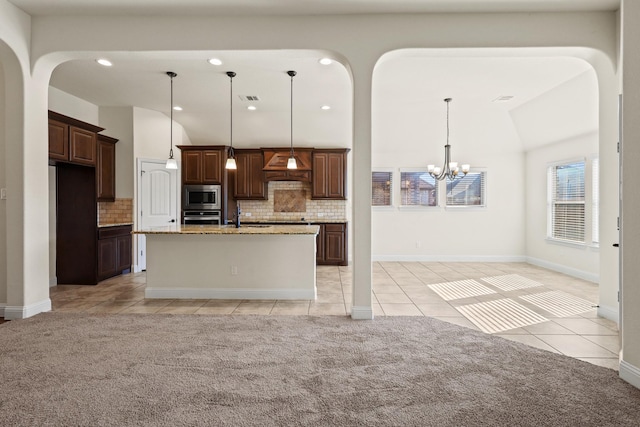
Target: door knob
(173,220)
(616,245)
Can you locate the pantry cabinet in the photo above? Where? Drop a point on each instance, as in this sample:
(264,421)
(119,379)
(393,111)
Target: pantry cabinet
(329,174)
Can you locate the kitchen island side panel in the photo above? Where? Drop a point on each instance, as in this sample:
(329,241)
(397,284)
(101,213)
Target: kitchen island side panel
(223,266)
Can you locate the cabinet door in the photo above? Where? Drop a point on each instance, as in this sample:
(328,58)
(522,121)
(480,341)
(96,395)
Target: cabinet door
(124,253)
(335,175)
(328,175)
(241,187)
(107,258)
(106,172)
(58,140)
(257,184)
(336,244)
(320,245)
(192,167)
(212,167)
(82,146)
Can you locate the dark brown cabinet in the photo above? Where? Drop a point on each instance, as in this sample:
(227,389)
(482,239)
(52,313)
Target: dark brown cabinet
(72,140)
(249,183)
(114,251)
(106,169)
(203,164)
(331,244)
(329,174)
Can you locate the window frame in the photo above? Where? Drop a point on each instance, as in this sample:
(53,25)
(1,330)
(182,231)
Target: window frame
(484,184)
(551,186)
(391,172)
(417,207)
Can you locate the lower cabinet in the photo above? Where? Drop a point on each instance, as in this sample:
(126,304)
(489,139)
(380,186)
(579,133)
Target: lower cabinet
(114,251)
(331,244)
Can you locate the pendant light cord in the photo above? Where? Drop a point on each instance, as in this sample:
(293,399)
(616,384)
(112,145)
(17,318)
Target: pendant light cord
(448,100)
(291,109)
(172,75)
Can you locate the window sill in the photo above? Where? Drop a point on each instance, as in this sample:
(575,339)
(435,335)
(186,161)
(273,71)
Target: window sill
(567,243)
(466,208)
(417,208)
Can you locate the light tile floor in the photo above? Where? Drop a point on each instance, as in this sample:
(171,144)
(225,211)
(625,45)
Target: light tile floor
(407,289)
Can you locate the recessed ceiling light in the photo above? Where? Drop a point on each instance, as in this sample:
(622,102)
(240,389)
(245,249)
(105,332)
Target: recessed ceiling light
(104,62)
(251,107)
(326,107)
(177,108)
(326,61)
(214,61)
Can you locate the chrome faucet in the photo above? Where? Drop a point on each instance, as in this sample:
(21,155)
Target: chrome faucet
(238,212)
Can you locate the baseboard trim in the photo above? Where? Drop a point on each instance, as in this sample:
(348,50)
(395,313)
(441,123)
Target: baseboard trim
(630,373)
(449,258)
(610,313)
(361,313)
(2,307)
(570,271)
(53,281)
(22,312)
(221,293)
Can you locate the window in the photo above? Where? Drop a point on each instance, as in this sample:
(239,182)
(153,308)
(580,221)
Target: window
(566,201)
(467,191)
(418,188)
(381,188)
(595,201)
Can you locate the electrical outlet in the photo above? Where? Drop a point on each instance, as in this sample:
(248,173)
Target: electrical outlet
(234,270)
(3,194)
(418,244)
(247,214)
(320,214)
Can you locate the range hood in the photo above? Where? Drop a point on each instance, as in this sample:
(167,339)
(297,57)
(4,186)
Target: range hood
(275,164)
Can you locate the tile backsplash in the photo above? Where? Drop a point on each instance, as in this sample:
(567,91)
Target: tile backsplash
(118,212)
(313,209)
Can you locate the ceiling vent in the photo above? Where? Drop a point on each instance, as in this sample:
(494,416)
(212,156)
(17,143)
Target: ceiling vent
(503,98)
(250,98)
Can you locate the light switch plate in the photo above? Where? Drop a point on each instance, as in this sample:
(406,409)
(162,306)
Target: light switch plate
(3,194)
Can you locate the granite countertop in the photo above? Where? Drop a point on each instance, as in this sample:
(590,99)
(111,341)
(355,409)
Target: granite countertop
(250,220)
(114,225)
(230,229)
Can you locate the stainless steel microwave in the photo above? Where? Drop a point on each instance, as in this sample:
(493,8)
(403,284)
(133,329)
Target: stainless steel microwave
(201,197)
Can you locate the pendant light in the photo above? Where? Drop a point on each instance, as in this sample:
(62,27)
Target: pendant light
(231,160)
(171,162)
(450,169)
(291,163)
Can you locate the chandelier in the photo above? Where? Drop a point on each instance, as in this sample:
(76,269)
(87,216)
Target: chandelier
(450,169)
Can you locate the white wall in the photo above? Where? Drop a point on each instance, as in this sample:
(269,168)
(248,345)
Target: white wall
(559,125)
(577,260)
(72,106)
(484,138)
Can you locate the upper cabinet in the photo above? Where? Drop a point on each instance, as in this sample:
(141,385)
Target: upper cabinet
(329,179)
(249,183)
(72,140)
(202,164)
(106,169)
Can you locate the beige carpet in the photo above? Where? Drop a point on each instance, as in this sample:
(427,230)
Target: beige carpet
(171,370)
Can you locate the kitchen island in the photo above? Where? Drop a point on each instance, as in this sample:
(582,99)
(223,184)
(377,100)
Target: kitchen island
(224,262)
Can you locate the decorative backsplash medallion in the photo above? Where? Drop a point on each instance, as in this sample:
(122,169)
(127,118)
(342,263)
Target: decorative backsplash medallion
(289,201)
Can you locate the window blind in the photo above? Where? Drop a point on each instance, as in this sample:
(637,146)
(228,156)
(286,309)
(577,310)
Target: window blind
(381,184)
(567,201)
(418,188)
(468,190)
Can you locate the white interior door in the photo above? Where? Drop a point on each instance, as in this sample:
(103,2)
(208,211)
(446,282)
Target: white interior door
(157,201)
